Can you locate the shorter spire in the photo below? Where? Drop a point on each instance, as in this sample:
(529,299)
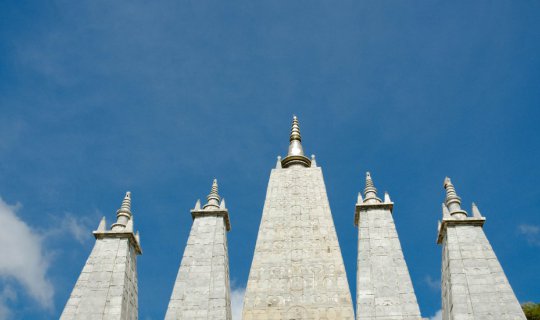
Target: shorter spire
(370,192)
(123,215)
(278,163)
(296,152)
(475,211)
(313,161)
(359,200)
(102,225)
(387,197)
(452,200)
(213,198)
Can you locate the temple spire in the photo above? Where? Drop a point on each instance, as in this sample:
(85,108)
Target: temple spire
(123,215)
(370,192)
(295,155)
(453,201)
(213,198)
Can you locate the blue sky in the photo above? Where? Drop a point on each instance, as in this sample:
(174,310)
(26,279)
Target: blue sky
(159,97)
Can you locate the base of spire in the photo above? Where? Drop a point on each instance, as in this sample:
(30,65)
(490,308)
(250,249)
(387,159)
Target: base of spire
(133,239)
(293,160)
(217,213)
(468,221)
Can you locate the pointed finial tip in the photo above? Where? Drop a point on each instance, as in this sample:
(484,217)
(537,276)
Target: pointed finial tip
(447,181)
(368,175)
(128,194)
(294,117)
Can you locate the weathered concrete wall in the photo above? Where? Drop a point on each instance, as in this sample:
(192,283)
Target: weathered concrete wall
(297,270)
(384,287)
(202,289)
(474,285)
(107,286)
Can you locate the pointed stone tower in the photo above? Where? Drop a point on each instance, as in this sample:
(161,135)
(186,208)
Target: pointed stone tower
(202,289)
(383,284)
(297,270)
(107,286)
(474,285)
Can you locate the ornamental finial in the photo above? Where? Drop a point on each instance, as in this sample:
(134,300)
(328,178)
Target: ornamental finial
(123,215)
(296,152)
(213,198)
(452,200)
(370,192)
(295,130)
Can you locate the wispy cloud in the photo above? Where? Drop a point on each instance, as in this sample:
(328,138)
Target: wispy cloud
(22,258)
(7,295)
(237,302)
(531,233)
(437,316)
(434,284)
(78,227)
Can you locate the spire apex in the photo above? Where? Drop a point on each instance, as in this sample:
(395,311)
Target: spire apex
(213,198)
(370,192)
(453,201)
(296,152)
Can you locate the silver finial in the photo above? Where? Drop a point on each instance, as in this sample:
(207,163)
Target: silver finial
(295,154)
(295,130)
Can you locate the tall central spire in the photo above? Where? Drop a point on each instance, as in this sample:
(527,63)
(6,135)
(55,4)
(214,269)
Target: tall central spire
(295,156)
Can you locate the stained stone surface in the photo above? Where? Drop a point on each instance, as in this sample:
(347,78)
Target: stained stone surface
(202,289)
(474,285)
(107,285)
(297,270)
(384,287)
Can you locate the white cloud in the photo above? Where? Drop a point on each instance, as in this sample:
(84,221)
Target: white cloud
(7,295)
(77,227)
(237,302)
(437,316)
(531,233)
(434,284)
(22,259)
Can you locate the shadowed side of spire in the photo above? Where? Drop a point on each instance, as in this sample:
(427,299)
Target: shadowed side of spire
(295,155)
(453,201)
(123,215)
(213,198)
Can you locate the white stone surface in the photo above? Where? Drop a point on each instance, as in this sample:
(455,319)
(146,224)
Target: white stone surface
(474,285)
(202,289)
(297,270)
(107,286)
(384,287)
